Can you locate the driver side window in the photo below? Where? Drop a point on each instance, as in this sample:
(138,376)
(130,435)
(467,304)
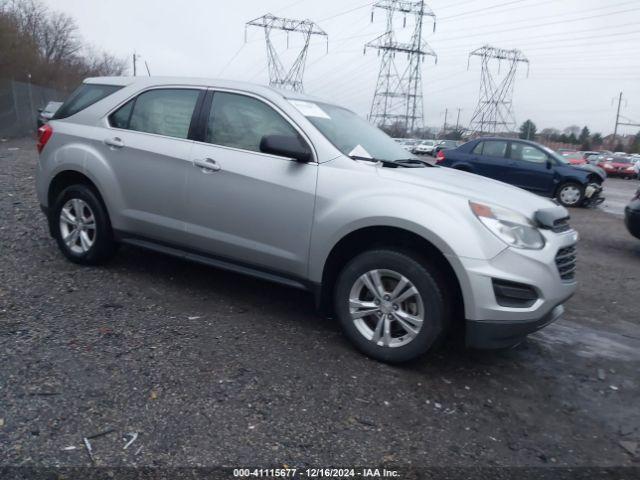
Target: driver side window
(527,153)
(239,121)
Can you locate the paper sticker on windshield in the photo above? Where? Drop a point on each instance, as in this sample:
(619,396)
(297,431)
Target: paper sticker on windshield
(309,109)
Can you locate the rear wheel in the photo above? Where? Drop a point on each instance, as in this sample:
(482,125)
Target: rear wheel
(390,306)
(81,226)
(570,194)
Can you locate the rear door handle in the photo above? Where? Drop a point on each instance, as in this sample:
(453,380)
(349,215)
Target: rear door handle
(115,142)
(208,165)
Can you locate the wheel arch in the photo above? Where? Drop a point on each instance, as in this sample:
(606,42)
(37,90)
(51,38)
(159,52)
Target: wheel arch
(370,237)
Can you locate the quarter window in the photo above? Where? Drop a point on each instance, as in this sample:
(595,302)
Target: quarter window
(240,121)
(163,112)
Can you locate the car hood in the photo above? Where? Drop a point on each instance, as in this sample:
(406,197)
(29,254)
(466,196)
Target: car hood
(470,186)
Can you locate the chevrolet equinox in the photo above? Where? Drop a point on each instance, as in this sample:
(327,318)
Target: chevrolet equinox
(301,191)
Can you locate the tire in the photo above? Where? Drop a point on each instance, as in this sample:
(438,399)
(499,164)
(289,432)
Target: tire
(368,332)
(91,246)
(570,194)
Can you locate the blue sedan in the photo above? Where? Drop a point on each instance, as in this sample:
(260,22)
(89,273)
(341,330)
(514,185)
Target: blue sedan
(530,166)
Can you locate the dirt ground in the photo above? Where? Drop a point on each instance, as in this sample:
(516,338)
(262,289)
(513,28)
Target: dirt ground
(211,368)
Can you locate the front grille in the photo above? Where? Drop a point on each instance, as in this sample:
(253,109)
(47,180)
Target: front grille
(566,262)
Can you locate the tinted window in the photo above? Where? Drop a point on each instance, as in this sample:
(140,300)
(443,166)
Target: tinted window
(163,112)
(239,121)
(478,148)
(120,119)
(85,96)
(494,148)
(521,151)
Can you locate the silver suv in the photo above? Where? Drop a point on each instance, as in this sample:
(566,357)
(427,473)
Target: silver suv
(299,191)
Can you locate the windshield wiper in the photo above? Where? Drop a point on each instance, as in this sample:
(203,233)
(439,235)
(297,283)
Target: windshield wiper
(403,162)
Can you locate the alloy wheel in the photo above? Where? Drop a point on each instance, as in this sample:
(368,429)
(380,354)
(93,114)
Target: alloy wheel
(386,308)
(77,226)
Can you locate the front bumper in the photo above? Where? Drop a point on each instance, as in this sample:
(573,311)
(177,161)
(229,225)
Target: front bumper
(632,220)
(504,334)
(493,323)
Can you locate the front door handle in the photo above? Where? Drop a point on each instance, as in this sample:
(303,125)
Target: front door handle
(115,142)
(208,165)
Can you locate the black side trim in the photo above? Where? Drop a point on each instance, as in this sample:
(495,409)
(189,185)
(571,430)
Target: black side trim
(214,261)
(553,219)
(195,127)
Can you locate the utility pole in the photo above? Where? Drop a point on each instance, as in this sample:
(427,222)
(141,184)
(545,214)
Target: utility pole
(278,76)
(134,64)
(398,97)
(444,127)
(458,120)
(494,111)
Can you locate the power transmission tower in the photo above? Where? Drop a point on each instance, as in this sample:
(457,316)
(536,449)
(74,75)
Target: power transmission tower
(398,97)
(494,112)
(279,76)
(628,122)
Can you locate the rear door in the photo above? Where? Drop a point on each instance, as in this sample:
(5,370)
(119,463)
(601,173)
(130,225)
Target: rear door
(530,168)
(245,205)
(490,159)
(149,151)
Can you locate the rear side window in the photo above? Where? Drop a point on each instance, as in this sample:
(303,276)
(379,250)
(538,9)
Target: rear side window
(162,112)
(494,148)
(84,96)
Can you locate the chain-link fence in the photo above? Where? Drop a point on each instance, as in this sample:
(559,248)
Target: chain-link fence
(19,104)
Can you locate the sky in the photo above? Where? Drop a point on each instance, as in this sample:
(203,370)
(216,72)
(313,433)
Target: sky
(582,53)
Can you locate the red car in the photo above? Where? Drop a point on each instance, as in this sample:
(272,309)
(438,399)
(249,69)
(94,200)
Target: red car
(574,158)
(618,166)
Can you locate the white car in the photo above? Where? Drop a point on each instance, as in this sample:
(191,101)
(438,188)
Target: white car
(425,147)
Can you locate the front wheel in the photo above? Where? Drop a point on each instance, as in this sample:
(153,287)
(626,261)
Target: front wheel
(570,194)
(390,305)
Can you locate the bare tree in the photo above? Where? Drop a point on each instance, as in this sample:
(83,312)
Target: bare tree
(46,46)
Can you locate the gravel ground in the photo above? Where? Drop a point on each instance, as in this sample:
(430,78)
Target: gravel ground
(212,368)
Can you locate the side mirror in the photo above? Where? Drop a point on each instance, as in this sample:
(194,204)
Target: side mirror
(286,146)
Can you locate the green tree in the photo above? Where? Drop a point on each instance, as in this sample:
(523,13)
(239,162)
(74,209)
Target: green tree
(597,140)
(528,130)
(619,147)
(635,146)
(573,139)
(584,138)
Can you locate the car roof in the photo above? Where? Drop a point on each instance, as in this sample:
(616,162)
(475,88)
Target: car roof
(146,82)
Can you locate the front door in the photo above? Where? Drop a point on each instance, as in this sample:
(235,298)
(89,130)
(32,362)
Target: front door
(245,205)
(531,168)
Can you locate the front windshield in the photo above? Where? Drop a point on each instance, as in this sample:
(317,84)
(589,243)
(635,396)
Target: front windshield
(350,133)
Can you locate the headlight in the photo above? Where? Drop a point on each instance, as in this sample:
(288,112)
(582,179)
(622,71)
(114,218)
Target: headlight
(511,227)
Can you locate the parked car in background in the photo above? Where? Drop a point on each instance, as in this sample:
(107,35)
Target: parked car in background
(45,114)
(587,154)
(574,158)
(445,145)
(527,165)
(632,215)
(290,189)
(619,166)
(425,147)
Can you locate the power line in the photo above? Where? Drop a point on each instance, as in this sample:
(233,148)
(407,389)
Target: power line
(565,21)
